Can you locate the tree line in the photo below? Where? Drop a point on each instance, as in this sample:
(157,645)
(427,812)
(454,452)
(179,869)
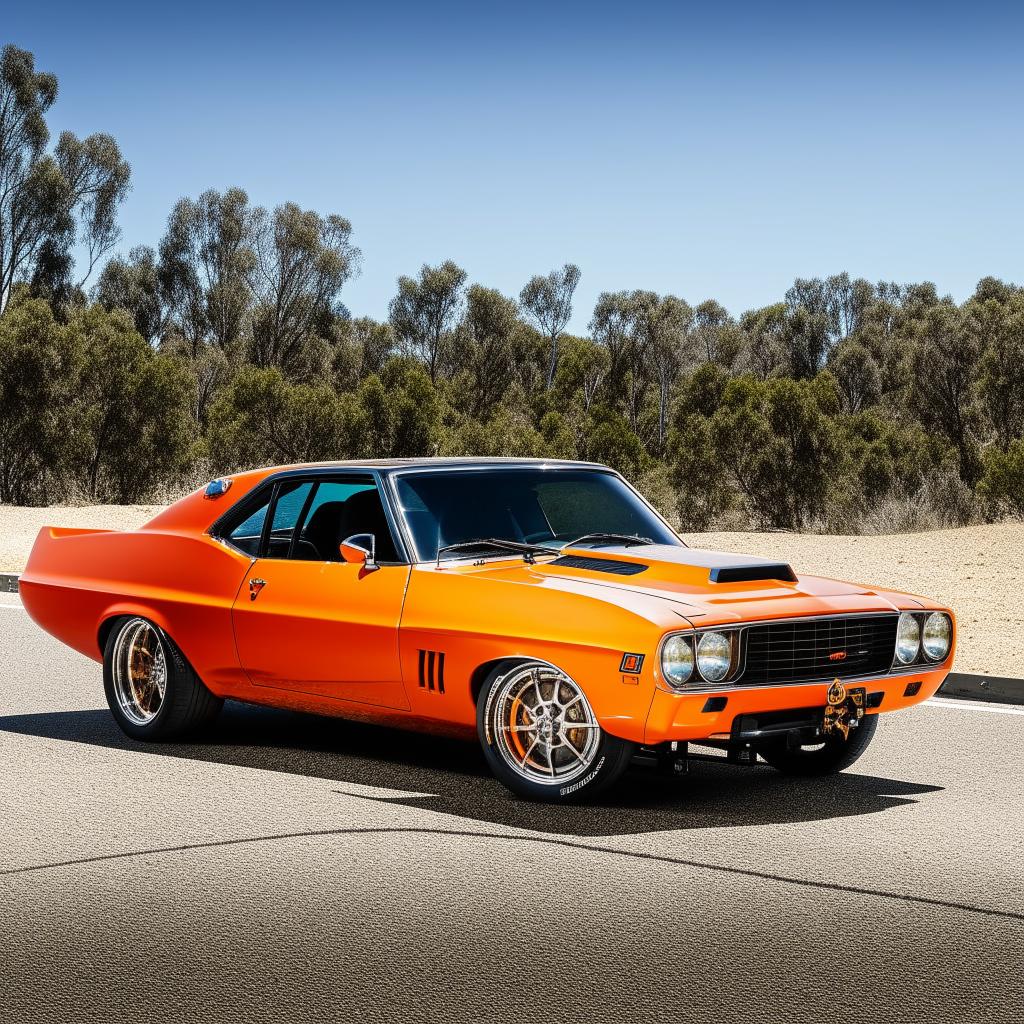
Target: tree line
(846,406)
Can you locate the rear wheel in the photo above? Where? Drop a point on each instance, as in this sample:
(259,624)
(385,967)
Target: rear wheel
(152,691)
(541,738)
(833,755)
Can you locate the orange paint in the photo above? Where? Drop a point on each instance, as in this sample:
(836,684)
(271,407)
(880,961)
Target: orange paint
(337,638)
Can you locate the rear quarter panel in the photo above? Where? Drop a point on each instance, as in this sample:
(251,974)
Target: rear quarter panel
(77,580)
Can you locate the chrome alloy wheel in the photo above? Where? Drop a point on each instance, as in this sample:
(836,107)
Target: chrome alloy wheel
(139,671)
(541,724)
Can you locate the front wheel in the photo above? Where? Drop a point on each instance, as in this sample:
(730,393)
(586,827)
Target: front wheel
(152,690)
(541,737)
(835,754)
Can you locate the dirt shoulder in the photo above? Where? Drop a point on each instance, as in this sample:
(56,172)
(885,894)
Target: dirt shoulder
(978,571)
(19,526)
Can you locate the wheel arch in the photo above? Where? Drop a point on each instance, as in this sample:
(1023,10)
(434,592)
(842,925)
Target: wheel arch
(479,675)
(129,610)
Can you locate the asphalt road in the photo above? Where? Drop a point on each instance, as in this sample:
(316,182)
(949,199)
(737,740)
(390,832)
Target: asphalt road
(293,868)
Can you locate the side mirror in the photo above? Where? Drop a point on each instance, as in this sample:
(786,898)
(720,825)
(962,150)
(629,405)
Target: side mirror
(360,549)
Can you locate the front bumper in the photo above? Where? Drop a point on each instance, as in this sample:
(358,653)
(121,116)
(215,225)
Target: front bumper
(702,716)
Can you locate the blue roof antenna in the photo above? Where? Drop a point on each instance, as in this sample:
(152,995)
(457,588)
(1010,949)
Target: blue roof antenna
(215,488)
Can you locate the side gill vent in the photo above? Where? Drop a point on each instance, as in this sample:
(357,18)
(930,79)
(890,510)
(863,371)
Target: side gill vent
(600,565)
(432,670)
(748,573)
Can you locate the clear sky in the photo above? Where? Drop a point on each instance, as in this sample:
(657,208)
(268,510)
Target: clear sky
(709,150)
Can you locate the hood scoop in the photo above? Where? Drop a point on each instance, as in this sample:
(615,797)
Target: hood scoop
(753,571)
(611,565)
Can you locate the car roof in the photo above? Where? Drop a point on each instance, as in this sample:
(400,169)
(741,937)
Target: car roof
(388,465)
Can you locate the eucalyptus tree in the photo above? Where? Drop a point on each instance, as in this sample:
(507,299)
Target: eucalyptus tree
(582,369)
(488,349)
(857,374)
(206,266)
(39,367)
(998,326)
(711,321)
(302,261)
(946,363)
(133,284)
(661,330)
(765,331)
(547,301)
(425,312)
(50,202)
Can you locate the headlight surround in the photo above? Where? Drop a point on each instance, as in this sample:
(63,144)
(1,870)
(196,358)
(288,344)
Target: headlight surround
(677,660)
(908,638)
(714,656)
(937,636)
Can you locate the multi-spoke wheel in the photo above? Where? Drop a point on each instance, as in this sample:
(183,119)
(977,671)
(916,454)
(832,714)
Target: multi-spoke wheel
(152,691)
(140,671)
(541,737)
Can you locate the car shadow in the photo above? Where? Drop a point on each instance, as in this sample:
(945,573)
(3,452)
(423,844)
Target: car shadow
(451,776)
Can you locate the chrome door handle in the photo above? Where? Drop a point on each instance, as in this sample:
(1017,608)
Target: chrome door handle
(255,586)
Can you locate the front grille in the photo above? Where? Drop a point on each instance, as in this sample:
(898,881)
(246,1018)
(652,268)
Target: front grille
(808,650)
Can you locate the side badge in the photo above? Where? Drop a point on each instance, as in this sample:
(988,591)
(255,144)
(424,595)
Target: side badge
(631,663)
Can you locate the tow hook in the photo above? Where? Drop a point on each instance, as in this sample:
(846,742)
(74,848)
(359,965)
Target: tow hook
(742,753)
(675,760)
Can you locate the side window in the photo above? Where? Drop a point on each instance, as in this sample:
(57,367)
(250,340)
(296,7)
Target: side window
(246,535)
(339,509)
(291,500)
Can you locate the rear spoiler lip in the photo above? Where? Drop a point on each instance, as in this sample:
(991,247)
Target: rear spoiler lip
(56,532)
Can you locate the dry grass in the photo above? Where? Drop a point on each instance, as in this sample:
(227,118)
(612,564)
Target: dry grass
(977,570)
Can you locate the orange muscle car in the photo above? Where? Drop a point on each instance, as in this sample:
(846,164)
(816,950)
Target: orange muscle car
(544,605)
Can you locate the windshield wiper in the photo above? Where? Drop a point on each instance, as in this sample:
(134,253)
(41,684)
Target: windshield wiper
(625,539)
(526,550)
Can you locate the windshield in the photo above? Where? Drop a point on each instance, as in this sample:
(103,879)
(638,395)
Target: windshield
(530,506)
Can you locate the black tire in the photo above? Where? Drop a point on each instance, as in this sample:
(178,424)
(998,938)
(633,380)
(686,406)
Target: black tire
(603,765)
(186,707)
(833,756)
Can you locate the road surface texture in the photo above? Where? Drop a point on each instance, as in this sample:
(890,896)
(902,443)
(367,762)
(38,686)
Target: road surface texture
(293,868)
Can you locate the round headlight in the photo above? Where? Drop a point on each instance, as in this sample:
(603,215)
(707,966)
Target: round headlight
(938,634)
(714,656)
(908,639)
(677,660)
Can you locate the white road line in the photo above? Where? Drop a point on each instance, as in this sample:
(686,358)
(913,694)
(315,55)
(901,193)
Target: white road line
(14,607)
(968,705)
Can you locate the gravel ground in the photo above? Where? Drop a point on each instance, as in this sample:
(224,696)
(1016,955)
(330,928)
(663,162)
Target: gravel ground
(978,571)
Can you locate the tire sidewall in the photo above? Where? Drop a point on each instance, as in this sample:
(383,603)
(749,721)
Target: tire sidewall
(610,759)
(826,761)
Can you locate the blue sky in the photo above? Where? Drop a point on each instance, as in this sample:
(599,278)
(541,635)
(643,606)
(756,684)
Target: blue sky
(707,150)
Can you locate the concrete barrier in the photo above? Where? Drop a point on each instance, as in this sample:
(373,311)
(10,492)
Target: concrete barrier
(997,689)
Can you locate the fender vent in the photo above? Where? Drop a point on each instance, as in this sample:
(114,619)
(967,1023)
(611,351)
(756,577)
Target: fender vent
(432,670)
(600,565)
(748,573)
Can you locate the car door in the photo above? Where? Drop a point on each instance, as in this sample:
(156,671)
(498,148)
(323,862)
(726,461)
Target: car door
(307,621)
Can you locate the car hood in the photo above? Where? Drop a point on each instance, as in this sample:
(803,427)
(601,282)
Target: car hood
(706,587)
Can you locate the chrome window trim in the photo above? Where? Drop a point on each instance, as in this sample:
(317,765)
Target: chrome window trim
(736,685)
(317,473)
